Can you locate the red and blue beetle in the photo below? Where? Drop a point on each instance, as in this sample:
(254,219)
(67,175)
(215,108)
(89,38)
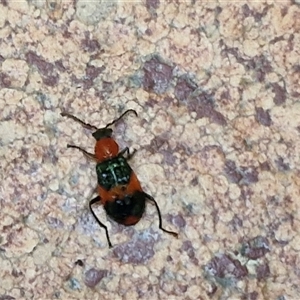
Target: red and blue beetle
(119,189)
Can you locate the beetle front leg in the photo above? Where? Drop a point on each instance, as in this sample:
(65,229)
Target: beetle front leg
(127,151)
(87,154)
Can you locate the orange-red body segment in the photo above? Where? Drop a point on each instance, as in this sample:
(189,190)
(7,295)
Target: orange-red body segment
(106,148)
(119,191)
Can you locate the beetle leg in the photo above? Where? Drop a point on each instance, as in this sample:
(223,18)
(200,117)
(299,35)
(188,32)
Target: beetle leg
(150,198)
(93,201)
(127,152)
(87,154)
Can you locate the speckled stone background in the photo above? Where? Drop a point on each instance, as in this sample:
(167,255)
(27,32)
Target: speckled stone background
(216,86)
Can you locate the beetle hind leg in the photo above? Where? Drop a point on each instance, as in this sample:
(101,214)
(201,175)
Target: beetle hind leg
(93,201)
(150,198)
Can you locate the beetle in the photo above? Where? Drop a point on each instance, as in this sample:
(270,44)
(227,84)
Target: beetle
(119,190)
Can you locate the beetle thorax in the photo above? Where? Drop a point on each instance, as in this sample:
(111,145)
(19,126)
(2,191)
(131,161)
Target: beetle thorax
(106,148)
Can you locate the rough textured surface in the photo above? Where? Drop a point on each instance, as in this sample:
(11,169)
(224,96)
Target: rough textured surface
(216,86)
